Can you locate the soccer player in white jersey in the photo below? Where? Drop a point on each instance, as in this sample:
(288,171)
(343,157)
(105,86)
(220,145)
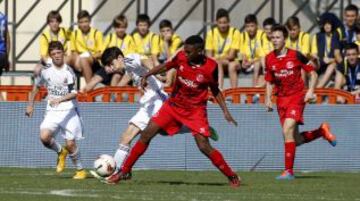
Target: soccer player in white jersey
(61,111)
(150,102)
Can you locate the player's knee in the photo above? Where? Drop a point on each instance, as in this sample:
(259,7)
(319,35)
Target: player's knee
(45,138)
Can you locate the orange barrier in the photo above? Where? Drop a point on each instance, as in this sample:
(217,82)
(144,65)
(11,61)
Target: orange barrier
(131,94)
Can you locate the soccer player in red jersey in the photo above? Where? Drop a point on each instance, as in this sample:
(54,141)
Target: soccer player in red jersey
(196,73)
(283,70)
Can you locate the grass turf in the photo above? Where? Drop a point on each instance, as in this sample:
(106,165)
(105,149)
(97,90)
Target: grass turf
(17,184)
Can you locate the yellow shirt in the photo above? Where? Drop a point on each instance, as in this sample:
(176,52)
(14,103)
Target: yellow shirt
(127,45)
(221,44)
(92,42)
(47,36)
(176,43)
(302,44)
(266,44)
(148,45)
(251,48)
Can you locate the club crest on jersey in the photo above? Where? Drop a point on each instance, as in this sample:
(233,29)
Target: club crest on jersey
(199,77)
(290,65)
(181,68)
(273,67)
(65,81)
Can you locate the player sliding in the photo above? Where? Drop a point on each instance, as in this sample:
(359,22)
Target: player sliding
(283,70)
(61,111)
(196,73)
(150,102)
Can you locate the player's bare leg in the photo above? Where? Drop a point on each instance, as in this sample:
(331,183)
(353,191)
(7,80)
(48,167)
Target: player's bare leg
(257,68)
(217,159)
(49,142)
(327,75)
(221,74)
(233,74)
(86,64)
(136,152)
(93,82)
(74,154)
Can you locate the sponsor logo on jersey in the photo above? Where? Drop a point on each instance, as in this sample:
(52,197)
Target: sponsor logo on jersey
(290,65)
(200,77)
(188,83)
(284,73)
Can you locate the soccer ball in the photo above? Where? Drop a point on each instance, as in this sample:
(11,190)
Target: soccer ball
(104,165)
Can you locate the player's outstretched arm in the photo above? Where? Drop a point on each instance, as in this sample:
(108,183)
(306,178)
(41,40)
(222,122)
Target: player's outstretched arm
(30,107)
(67,97)
(312,83)
(268,95)
(154,71)
(221,101)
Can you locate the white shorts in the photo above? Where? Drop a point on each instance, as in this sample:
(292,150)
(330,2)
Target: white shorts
(65,122)
(143,115)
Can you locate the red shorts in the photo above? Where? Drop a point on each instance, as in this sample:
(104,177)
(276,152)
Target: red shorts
(291,107)
(171,118)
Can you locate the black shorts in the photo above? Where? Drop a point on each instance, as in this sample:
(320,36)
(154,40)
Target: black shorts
(105,76)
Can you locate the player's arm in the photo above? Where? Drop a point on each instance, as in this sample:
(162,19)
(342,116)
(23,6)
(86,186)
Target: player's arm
(308,66)
(30,107)
(268,95)
(71,95)
(214,87)
(269,80)
(154,71)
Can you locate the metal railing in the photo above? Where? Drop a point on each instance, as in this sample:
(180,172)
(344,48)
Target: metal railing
(142,6)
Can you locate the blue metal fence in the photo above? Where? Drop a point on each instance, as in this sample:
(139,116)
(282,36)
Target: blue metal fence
(257,136)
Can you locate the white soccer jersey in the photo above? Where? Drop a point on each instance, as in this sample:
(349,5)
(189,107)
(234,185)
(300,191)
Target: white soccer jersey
(59,82)
(135,70)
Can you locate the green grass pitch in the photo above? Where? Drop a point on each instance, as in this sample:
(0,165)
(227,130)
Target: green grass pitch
(18,184)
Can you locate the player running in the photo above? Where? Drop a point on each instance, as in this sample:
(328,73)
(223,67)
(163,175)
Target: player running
(283,70)
(196,73)
(61,111)
(151,101)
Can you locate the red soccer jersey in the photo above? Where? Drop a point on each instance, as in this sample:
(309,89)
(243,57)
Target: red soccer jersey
(284,71)
(192,82)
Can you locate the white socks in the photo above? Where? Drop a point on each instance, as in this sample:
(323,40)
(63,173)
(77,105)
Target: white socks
(75,157)
(120,155)
(54,146)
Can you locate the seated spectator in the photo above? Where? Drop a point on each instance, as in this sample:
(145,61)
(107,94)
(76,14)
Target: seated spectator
(266,43)
(4,47)
(147,42)
(86,46)
(357,32)
(347,31)
(222,44)
(325,50)
(120,39)
(54,33)
(297,40)
(250,49)
(169,43)
(348,72)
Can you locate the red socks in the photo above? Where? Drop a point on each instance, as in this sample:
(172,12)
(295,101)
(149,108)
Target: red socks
(138,149)
(290,148)
(311,135)
(218,160)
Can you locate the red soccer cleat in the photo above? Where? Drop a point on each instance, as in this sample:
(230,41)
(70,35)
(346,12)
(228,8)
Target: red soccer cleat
(234,181)
(116,177)
(327,135)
